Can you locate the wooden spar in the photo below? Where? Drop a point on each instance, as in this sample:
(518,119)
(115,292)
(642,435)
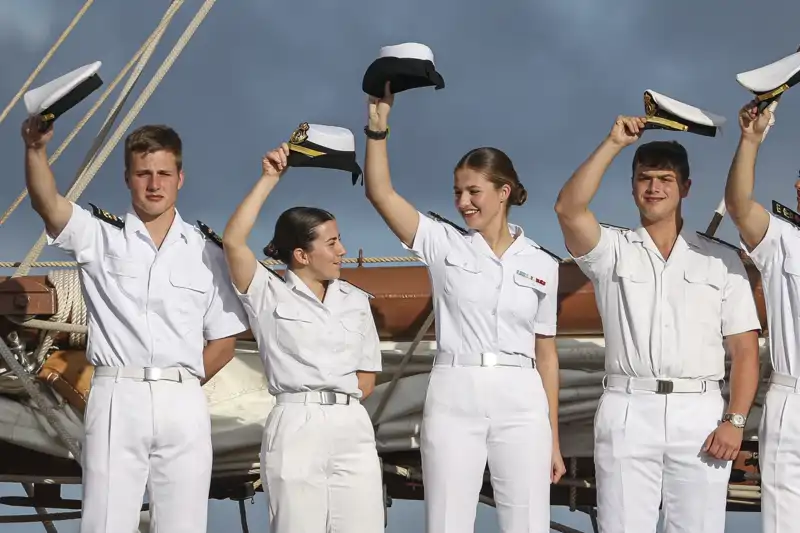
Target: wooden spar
(402,299)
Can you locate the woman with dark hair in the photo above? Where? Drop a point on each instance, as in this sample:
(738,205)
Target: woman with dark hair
(320,348)
(493,390)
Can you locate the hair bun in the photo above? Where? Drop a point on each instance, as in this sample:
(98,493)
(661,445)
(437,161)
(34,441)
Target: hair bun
(522,195)
(271,251)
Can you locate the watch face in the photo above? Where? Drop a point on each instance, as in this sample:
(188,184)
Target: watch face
(736,419)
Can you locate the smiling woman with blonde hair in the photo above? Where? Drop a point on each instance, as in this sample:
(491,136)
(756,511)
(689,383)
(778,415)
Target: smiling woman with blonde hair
(493,390)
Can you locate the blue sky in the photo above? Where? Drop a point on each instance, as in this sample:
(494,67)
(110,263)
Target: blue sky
(541,80)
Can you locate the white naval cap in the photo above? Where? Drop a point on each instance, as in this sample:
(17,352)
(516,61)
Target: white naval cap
(56,97)
(664,112)
(772,80)
(405,66)
(323,146)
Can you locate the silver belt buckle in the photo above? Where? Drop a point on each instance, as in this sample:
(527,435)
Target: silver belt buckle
(327,398)
(152,374)
(664,386)
(488,359)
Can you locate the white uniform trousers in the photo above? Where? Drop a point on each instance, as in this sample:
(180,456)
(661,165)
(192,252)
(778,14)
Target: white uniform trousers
(779,456)
(320,469)
(647,453)
(475,414)
(154,435)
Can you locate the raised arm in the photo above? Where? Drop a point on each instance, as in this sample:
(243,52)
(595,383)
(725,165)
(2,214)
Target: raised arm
(578,224)
(241,260)
(750,218)
(401,217)
(54,209)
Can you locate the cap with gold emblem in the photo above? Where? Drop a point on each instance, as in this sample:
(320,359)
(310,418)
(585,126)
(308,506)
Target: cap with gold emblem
(56,97)
(321,146)
(663,112)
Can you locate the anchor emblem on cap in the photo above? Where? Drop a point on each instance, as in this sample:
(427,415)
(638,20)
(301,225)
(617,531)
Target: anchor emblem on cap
(649,105)
(300,134)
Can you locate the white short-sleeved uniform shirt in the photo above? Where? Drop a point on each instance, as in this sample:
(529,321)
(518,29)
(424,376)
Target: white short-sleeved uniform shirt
(777,258)
(484,303)
(148,306)
(308,345)
(667,319)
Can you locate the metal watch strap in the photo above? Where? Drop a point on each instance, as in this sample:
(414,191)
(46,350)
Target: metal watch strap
(376,135)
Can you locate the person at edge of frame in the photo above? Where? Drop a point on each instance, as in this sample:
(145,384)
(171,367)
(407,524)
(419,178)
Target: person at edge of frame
(671,302)
(772,241)
(156,290)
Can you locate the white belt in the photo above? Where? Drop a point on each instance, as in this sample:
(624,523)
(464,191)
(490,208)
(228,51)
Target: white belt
(660,386)
(316,397)
(488,359)
(175,373)
(784,380)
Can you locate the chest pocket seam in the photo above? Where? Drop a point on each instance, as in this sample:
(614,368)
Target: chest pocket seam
(462,262)
(290,312)
(704,273)
(120,267)
(193,281)
(791,264)
(632,270)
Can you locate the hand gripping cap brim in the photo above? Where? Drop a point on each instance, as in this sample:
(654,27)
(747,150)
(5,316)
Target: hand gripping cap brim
(772,80)
(405,66)
(663,112)
(321,146)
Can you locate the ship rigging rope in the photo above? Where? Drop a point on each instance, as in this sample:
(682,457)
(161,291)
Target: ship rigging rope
(45,59)
(152,39)
(30,386)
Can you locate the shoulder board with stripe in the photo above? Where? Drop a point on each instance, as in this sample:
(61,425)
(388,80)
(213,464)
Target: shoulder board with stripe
(272,272)
(351,284)
(612,226)
(210,234)
(439,218)
(107,217)
(718,241)
(551,254)
(785,213)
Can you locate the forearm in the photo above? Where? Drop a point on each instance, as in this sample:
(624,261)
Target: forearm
(578,192)
(377,177)
(244,217)
(216,355)
(745,375)
(548,370)
(741,179)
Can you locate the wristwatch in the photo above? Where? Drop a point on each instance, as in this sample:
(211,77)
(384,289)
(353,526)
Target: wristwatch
(735,419)
(376,135)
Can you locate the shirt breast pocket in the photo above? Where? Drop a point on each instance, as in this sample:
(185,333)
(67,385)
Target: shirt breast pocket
(127,276)
(528,293)
(636,282)
(463,278)
(354,324)
(188,297)
(703,297)
(295,331)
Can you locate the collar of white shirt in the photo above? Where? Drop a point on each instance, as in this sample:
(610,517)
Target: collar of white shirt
(135,227)
(685,238)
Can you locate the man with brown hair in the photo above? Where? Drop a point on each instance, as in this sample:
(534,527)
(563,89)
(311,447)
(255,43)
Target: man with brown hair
(162,318)
(671,301)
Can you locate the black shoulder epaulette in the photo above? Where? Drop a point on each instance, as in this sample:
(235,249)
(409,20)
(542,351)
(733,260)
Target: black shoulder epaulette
(440,218)
(785,213)
(272,272)
(612,226)
(718,241)
(369,295)
(551,254)
(107,217)
(210,234)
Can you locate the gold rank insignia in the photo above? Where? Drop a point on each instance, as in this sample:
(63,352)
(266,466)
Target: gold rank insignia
(532,278)
(300,134)
(785,213)
(210,234)
(107,217)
